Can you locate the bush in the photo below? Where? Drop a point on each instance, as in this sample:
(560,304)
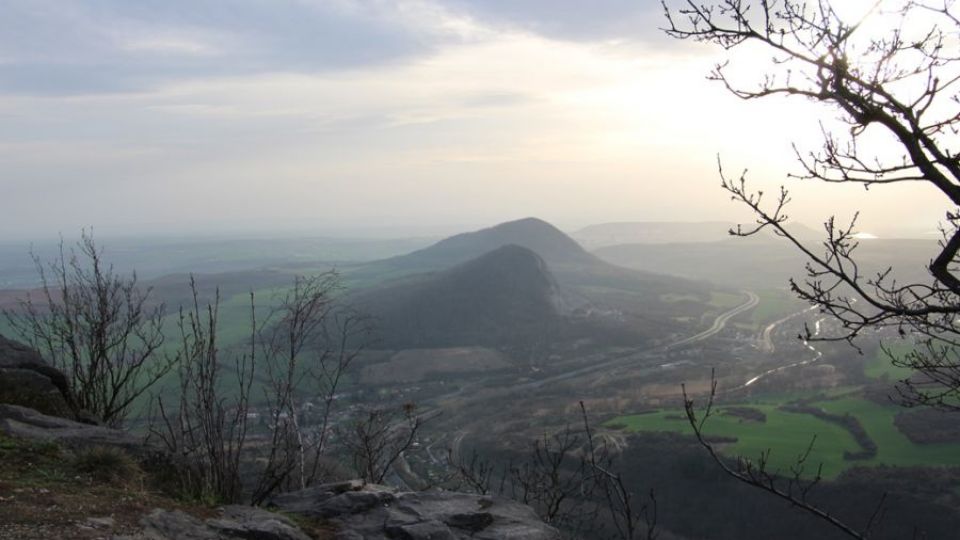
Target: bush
(108,465)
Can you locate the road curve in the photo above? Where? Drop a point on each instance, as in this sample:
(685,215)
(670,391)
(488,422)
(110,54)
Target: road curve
(721,321)
(718,324)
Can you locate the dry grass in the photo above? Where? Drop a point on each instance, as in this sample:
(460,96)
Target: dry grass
(47,493)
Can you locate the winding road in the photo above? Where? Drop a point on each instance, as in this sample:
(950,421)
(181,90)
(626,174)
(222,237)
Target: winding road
(721,321)
(627,358)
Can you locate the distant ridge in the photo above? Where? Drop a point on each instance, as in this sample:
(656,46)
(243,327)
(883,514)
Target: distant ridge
(499,298)
(651,232)
(736,262)
(547,241)
(569,262)
(602,235)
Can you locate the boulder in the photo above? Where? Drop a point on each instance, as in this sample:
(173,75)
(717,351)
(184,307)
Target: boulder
(236,522)
(29,388)
(25,379)
(13,353)
(27,423)
(379,513)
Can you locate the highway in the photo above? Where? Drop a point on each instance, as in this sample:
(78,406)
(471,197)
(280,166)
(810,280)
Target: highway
(627,358)
(721,320)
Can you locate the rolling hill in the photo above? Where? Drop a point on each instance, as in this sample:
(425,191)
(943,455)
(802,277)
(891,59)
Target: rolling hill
(627,302)
(499,298)
(569,262)
(555,247)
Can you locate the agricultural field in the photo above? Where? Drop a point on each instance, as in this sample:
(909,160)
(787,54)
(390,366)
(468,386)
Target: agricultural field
(783,434)
(774,304)
(893,446)
(787,434)
(879,365)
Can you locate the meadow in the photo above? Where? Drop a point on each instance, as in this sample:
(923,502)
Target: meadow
(785,435)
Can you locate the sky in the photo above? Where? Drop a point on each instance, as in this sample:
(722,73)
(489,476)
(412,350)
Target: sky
(351,117)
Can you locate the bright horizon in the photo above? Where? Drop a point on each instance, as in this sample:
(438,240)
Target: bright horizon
(333,117)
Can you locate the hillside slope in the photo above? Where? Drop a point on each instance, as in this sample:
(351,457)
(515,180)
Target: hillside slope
(570,264)
(498,298)
(556,248)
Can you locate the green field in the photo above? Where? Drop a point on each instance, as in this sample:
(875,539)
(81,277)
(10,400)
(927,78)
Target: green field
(894,448)
(879,365)
(775,304)
(787,434)
(784,434)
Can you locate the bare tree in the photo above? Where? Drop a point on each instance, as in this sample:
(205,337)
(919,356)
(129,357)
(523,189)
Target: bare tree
(571,480)
(378,437)
(206,430)
(891,76)
(303,347)
(631,519)
(556,479)
(793,485)
(477,473)
(98,327)
(307,343)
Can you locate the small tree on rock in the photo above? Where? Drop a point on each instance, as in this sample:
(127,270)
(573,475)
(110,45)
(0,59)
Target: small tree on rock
(98,327)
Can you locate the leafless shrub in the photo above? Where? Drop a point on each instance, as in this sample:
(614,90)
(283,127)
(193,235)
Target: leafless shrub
(308,343)
(206,428)
(572,483)
(793,485)
(98,327)
(378,437)
(304,346)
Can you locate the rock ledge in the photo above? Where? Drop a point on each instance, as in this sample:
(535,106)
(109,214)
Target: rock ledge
(371,512)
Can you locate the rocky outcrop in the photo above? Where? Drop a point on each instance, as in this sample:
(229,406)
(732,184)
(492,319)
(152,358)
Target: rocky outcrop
(358,512)
(30,424)
(25,379)
(13,353)
(369,512)
(236,522)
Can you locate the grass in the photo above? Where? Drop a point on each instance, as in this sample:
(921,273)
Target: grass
(784,434)
(880,366)
(49,492)
(894,448)
(107,465)
(46,492)
(787,434)
(774,304)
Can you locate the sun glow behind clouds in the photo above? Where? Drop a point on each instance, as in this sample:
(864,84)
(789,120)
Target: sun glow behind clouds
(496,123)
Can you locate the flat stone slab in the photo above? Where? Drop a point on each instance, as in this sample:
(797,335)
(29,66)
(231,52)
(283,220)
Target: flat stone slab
(30,424)
(379,513)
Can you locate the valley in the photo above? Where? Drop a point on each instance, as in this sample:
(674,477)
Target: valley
(497,336)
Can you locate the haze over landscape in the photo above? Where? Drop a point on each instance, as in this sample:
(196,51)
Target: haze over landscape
(340,269)
(364,118)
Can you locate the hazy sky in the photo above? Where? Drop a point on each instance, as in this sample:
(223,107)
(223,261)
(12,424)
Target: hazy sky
(180,116)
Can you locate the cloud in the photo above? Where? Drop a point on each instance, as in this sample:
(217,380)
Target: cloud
(70,47)
(74,47)
(575,20)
